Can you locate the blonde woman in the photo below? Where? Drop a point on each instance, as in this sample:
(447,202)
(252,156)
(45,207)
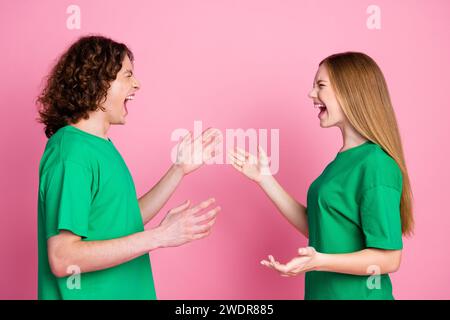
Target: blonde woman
(359,207)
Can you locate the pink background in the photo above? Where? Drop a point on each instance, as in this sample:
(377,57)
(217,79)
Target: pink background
(233,64)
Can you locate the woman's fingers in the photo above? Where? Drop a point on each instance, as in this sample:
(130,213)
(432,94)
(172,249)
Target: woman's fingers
(244,154)
(240,155)
(276,268)
(234,159)
(284,270)
(280,267)
(267,264)
(308,251)
(261,151)
(237,167)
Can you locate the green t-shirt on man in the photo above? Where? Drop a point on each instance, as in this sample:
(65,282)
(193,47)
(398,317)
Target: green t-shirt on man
(85,187)
(353,205)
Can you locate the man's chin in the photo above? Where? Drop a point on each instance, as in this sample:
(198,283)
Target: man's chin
(119,122)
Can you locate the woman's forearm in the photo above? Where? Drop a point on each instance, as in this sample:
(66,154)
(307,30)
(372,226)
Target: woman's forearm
(291,209)
(364,262)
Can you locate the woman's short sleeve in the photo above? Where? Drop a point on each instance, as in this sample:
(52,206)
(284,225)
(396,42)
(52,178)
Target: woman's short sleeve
(380,218)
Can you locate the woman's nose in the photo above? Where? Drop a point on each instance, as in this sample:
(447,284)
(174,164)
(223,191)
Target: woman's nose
(312,94)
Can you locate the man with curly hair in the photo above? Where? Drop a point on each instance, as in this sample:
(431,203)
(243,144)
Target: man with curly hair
(91,237)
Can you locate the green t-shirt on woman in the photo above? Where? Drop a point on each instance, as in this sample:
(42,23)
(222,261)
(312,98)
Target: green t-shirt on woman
(353,205)
(85,187)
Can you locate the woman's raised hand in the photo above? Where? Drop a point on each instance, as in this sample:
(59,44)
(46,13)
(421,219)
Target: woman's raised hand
(253,167)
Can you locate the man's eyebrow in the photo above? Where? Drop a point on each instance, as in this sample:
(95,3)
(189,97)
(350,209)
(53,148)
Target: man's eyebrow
(128,70)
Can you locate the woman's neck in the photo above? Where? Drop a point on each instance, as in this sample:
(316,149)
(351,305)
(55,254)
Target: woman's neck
(350,137)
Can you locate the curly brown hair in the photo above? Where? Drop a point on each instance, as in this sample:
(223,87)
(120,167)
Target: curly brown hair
(79,81)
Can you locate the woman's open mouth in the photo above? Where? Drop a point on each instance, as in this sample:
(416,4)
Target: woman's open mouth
(322,107)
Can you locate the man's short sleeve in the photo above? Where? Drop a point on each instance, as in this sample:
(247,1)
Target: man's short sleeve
(67,199)
(380,218)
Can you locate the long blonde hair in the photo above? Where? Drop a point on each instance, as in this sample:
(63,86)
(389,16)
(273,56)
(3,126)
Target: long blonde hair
(362,92)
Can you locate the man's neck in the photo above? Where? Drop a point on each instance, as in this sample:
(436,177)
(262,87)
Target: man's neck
(95,125)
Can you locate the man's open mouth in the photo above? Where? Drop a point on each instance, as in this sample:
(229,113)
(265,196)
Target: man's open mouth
(129,97)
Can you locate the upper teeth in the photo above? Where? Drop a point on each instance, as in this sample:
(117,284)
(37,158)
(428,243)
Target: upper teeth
(131,97)
(319,105)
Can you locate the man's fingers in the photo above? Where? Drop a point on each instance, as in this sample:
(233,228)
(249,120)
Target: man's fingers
(186,138)
(209,136)
(212,135)
(210,147)
(202,205)
(181,207)
(203,218)
(205,227)
(199,236)
(210,131)
(212,142)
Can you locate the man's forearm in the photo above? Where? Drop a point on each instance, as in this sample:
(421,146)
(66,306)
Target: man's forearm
(364,262)
(151,202)
(91,256)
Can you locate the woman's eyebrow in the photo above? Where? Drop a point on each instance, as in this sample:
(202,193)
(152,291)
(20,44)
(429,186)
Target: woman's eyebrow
(128,70)
(318,81)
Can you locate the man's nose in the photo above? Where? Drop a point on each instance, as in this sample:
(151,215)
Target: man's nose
(136,84)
